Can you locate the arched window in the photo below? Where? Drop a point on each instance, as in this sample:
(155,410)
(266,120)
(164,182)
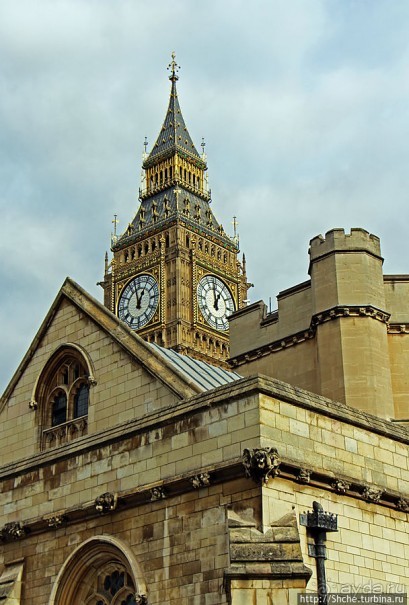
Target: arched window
(61,395)
(103,571)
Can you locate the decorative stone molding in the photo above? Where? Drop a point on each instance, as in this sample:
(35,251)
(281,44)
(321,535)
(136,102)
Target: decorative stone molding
(141,599)
(261,464)
(13,531)
(106,503)
(316,320)
(398,329)
(340,486)
(372,494)
(288,469)
(91,381)
(202,480)
(403,505)
(56,521)
(157,493)
(350,311)
(304,475)
(33,405)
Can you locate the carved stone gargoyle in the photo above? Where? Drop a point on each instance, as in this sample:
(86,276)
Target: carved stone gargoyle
(261,464)
(13,531)
(106,503)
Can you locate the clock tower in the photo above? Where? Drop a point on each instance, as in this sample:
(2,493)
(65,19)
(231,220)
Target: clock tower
(175,275)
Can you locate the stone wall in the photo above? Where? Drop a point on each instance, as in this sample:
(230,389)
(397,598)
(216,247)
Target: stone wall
(354,319)
(182,497)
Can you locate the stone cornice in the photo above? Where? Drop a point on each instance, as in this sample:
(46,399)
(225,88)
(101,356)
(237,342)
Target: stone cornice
(338,312)
(350,311)
(398,328)
(217,397)
(200,478)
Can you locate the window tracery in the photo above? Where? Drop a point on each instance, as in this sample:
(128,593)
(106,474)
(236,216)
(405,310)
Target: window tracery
(62,392)
(112,586)
(101,571)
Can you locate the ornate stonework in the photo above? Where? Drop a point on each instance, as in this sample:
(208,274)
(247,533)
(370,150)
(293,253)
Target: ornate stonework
(176,240)
(403,505)
(157,493)
(13,531)
(372,494)
(202,480)
(304,475)
(261,464)
(56,521)
(341,486)
(106,503)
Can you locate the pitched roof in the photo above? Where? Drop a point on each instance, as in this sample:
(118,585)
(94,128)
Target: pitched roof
(205,375)
(184,378)
(187,207)
(174,135)
(126,338)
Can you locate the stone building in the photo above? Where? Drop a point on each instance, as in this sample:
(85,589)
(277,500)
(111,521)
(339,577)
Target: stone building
(343,334)
(133,471)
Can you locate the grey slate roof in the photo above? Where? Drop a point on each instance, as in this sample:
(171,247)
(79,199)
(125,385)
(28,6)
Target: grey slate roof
(188,207)
(174,134)
(204,375)
(162,206)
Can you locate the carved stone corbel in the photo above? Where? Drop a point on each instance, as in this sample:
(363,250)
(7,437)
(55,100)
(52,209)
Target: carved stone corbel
(261,464)
(202,480)
(106,503)
(340,486)
(403,505)
(141,599)
(157,493)
(13,531)
(304,475)
(33,405)
(372,494)
(56,521)
(91,381)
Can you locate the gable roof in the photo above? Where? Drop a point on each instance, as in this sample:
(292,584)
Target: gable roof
(148,357)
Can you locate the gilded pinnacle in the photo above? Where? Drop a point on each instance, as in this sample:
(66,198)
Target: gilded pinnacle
(174,68)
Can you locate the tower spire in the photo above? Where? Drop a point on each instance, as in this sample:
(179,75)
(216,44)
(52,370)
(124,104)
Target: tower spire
(174,136)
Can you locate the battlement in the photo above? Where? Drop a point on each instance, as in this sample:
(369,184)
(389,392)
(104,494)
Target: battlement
(336,240)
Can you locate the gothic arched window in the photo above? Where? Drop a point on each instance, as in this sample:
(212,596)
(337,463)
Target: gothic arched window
(62,396)
(102,571)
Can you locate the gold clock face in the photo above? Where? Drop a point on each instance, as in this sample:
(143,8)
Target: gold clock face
(215,302)
(139,301)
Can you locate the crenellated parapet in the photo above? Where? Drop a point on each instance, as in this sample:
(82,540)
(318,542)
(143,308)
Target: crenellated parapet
(336,240)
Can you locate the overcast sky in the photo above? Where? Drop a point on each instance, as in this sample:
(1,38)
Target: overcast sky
(304,106)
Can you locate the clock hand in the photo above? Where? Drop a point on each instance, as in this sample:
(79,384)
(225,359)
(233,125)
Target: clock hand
(139,299)
(216,299)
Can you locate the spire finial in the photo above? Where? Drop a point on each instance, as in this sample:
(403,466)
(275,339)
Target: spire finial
(174,68)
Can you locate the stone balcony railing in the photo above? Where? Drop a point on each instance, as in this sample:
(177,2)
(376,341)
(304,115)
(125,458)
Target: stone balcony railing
(63,433)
